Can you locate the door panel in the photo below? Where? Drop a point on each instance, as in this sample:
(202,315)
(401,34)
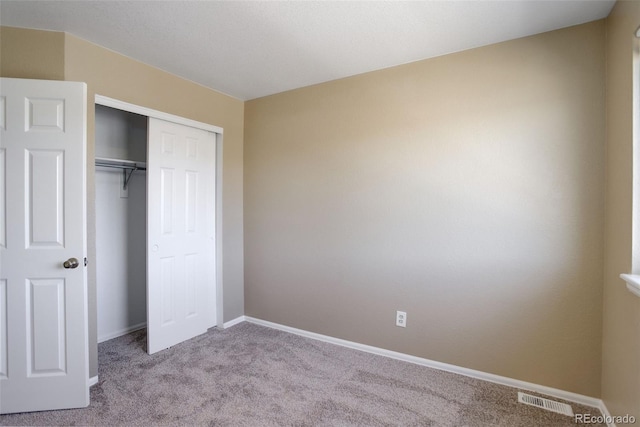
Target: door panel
(191,284)
(168,290)
(43,305)
(45,115)
(45,330)
(45,203)
(3,329)
(181,225)
(3,116)
(167,205)
(191,202)
(3,192)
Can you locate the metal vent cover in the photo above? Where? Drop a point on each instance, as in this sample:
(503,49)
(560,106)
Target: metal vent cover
(549,405)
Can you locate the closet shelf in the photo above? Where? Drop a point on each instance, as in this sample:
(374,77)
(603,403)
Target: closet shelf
(125,165)
(120,163)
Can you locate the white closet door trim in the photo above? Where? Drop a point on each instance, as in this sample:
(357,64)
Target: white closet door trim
(144,111)
(219,320)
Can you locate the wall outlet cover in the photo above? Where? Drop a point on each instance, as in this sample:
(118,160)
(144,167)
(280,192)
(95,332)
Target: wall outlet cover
(401,319)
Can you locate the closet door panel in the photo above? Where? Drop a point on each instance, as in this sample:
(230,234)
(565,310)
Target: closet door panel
(191,202)
(191,276)
(181,186)
(3,192)
(3,329)
(167,287)
(167,206)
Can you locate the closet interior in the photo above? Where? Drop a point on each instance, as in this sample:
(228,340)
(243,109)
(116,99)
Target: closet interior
(121,221)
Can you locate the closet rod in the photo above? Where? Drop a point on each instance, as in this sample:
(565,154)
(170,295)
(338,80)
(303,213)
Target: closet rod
(109,165)
(125,165)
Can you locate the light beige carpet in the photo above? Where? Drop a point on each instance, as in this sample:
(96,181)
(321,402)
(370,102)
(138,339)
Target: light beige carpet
(249,375)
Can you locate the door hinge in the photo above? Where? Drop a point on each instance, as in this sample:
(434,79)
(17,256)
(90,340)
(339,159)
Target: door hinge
(85,261)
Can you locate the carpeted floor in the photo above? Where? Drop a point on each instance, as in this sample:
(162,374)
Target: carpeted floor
(249,375)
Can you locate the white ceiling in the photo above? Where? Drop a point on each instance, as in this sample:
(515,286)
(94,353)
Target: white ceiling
(252,49)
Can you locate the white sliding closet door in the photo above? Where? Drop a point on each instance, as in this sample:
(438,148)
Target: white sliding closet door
(180,232)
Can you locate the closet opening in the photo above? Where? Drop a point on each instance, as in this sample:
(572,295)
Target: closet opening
(121,221)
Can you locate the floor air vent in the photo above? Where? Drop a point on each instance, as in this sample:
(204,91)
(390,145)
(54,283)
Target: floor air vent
(549,405)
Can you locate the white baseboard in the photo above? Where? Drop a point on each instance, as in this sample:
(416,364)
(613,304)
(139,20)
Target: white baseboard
(523,385)
(93,381)
(233,322)
(121,332)
(606,414)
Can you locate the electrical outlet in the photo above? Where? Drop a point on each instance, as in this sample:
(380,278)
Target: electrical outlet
(401,319)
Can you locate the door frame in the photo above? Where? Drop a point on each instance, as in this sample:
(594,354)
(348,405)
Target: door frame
(218,131)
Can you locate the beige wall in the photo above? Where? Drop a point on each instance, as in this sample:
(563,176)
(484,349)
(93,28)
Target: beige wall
(116,76)
(621,318)
(466,190)
(31,54)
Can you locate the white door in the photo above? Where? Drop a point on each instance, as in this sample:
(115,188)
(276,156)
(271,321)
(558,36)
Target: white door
(180,232)
(43,301)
